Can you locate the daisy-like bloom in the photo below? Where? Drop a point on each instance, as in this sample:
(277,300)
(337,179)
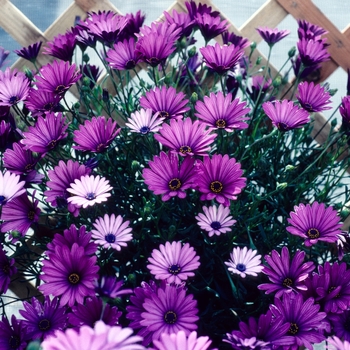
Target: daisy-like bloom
(110,287)
(5,135)
(30,52)
(286,276)
(14,336)
(123,56)
(344,110)
(167,177)
(339,323)
(96,134)
(231,38)
(20,214)
(42,320)
(169,310)
(91,73)
(335,343)
(39,102)
(7,269)
(71,236)
(111,232)
(61,46)
(60,179)
(309,31)
(221,58)
(45,135)
(10,187)
(314,223)
(210,26)
(93,310)
(246,343)
(215,220)
(306,322)
(69,274)
(181,341)
(101,337)
(285,115)
(166,101)
(57,77)
(89,190)
(244,262)
(185,137)
(144,122)
(14,87)
(222,112)
(173,262)
(272,36)
(182,20)
(312,52)
(220,178)
(313,98)
(135,22)
(258,86)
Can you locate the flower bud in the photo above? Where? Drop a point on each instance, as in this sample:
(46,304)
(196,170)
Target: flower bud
(277,82)
(192,51)
(290,167)
(86,58)
(292,52)
(194,98)
(281,186)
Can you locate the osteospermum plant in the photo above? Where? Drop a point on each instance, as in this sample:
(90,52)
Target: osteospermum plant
(185,207)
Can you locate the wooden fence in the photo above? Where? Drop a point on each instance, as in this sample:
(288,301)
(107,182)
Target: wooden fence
(13,21)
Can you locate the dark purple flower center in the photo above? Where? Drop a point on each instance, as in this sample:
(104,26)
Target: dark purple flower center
(60,89)
(287,282)
(52,144)
(174,184)
(110,238)
(170,317)
(241,267)
(215,225)
(6,269)
(48,106)
(100,147)
(164,114)
(174,269)
(144,130)
(283,126)
(308,106)
(130,64)
(185,149)
(28,168)
(293,329)
(44,324)
(13,100)
(73,278)
(216,186)
(14,341)
(90,196)
(2,200)
(31,215)
(220,123)
(313,233)
(153,61)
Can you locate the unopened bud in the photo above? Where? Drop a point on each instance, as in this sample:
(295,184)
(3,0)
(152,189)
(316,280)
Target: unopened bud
(281,186)
(292,52)
(192,51)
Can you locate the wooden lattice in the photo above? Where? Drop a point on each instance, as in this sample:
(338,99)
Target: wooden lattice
(22,30)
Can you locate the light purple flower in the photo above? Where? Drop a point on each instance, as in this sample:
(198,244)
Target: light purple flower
(144,122)
(313,98)
(10,187)
(272,36)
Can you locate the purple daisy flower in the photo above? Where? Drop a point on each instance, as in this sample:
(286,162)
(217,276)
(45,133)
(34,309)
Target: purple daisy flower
(20,214)
(101,337)
(39,102)
(96,134)
(215,220)
(144,121)
(309,31)
(285,115)
(123,56)
(89,190)
(335,343)
(185,137)
(167,177)
(14,87)
(135,22)
(10,187)
(222,112)
(246,343)
(306,322)
(244,262)
(231,38)
(45,135)
(13,337)
(57,77)
(173,262)
(111,232)
(221,58)
(61,46)
(93,310)
(169,310)
(314,223)
(166,101)
(69,274)
(272,36)
(60,179)
(313,98)
(5,135)
(312,52)
(210,25)
(220,178)
(30,52)
(182,21)
(7,269)
(110,287)
(90,73)
(42,320)
(181,341)
(339,323)
(71,236)
(344,110)
(286,276)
